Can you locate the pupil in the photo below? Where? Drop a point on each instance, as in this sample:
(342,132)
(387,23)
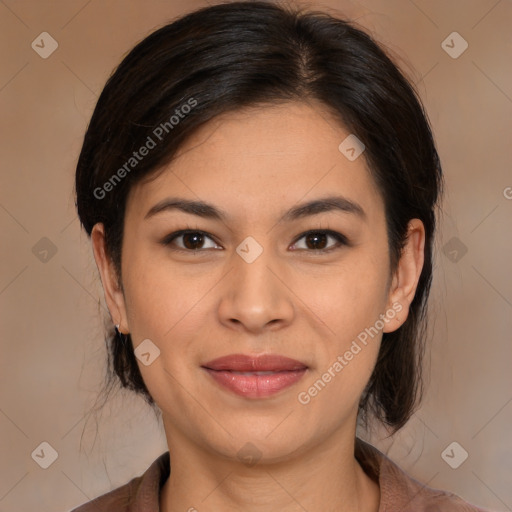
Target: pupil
(317,236)
(197,237)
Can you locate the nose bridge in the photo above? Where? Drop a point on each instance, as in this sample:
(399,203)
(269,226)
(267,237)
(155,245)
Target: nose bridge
(252,270)
(255,296)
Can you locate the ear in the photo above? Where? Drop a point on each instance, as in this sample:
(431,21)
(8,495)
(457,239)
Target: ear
(406,277)
(111,287)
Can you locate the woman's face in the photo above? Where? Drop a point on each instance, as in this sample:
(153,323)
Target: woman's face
(253,282)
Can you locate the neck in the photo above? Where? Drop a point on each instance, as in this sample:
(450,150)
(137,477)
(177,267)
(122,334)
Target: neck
(326,478)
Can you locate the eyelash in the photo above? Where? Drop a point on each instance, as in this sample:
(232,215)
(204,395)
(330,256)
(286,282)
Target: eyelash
(341,239)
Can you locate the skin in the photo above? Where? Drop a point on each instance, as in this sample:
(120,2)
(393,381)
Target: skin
(292,300)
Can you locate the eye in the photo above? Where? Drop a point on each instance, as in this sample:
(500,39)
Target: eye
(194,240)
(190,240)
(316,241)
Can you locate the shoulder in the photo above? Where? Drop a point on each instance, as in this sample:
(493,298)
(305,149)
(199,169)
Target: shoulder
(118,500)
(398,488)
(399,491)
(139,494)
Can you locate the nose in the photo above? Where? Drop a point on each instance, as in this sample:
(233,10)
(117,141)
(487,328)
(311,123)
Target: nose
(255,296)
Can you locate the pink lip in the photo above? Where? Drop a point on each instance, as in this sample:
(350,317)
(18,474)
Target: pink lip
(286,372)
(256,386)
(261,363)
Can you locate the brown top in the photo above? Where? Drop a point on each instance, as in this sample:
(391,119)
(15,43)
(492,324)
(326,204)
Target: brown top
(398,491)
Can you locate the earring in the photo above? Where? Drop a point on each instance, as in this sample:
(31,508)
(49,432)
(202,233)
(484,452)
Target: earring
(120,335)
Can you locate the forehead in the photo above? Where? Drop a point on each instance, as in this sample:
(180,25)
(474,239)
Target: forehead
(259,158)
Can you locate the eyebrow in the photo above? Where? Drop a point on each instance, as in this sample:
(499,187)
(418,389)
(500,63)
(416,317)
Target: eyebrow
(208,211)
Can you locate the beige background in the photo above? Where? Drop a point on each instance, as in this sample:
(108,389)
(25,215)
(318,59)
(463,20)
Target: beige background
(52,312)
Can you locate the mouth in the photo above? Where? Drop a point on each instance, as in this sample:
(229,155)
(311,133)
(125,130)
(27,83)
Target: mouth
(261,363)
(255,376)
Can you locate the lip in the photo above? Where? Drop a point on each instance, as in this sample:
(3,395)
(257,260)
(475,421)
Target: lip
(284,373)
(261,363)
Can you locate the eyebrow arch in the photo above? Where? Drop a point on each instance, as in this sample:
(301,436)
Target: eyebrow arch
(206,210)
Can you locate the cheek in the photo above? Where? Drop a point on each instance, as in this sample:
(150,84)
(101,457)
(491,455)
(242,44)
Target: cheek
(165,307)
(349,296)
(160,297)
(349,302)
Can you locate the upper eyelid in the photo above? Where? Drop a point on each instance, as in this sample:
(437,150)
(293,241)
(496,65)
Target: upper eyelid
(169,239)
(329,232)
(326,231)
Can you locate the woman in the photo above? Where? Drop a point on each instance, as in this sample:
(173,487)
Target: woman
(260,187)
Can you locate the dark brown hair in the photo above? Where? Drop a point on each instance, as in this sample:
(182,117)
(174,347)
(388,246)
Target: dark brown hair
(229,56)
